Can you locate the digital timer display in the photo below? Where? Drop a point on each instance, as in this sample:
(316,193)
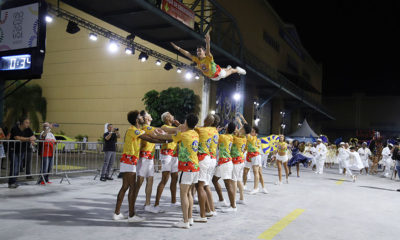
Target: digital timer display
(16,62)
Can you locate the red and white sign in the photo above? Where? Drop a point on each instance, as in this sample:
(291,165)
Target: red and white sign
(179,11)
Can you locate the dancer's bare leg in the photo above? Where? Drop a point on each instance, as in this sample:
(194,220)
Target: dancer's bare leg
(149,189)
(245,172)
(241,189)
(210,200)
(279,164)
(256,176)
(202,196)
(230,71)
(127,179)
(286,170)
(161,186)
(229,187)
(218,188)
(174,183)
(185,201)
(261,176)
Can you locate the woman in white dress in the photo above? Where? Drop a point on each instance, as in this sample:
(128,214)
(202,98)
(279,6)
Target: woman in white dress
(330,156)
(342,156)
(387,160)
(365,155)
(355,163)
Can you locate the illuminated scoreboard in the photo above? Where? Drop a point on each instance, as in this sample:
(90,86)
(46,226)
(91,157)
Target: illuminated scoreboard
(17,62)
(22,39)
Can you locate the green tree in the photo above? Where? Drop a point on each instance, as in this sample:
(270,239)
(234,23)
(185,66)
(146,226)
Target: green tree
(178,101)
(26,101)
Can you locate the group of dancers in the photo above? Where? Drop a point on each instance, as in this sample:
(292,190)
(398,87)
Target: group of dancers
(193,156)
(197,156)
(352,159)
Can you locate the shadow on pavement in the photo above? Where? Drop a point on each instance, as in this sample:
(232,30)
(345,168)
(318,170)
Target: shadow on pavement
(91,212)
(379,188)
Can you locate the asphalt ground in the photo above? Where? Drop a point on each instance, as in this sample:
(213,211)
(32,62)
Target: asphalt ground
(328,206)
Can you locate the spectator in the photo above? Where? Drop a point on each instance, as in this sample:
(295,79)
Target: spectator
(46,153)
(84,140)
(109,148)
(2,151)
(16,155)
(26,148)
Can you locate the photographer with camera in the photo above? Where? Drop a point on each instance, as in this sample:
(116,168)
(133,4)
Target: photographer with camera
(109,148)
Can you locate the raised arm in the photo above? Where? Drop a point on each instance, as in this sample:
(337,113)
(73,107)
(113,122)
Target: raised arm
(208,47)
(169,130)
(149,138)
(242,118)
(183,51)
(239,123)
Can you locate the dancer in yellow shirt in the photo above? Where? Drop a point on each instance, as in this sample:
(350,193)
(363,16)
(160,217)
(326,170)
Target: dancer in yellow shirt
(205,62)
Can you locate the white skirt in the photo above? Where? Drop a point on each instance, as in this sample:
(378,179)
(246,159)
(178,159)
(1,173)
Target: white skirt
(282,158)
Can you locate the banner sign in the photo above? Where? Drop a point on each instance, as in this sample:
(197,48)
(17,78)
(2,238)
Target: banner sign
(19,27)
(179,11)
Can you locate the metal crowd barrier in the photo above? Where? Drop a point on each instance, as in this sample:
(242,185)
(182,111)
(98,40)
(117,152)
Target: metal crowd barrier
(26,159)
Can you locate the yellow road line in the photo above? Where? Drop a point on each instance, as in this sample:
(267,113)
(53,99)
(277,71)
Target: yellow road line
(340,181)
(279,226)
(69,167)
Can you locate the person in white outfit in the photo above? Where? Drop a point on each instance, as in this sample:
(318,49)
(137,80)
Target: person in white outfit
(342,156)
(365,154)
(387,159)
(355,163)
(313,151)
(321,152)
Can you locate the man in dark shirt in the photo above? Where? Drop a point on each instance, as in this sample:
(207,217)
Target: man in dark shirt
(109,148)
(16,151)
(26,149)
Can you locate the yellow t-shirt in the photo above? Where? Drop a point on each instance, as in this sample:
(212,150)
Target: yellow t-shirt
(205,136)
(206,65)
(132,142)
(238,147)
(214,142)
(188,147)
(168,146)
(252,144)
(147,149)
(224,145)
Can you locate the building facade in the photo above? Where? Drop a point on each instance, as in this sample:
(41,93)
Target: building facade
(86,86)
(276,46)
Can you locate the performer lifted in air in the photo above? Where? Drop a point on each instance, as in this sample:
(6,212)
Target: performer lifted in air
(205,62)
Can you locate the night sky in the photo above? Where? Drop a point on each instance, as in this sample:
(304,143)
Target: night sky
(357,42)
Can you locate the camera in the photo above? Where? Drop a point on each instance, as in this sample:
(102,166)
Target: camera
(116,129)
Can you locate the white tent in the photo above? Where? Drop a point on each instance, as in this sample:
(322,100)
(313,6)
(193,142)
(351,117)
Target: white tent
(303,132)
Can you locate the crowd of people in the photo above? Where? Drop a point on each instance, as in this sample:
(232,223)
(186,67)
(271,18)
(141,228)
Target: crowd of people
(197,156)
(19,144)
(352,159)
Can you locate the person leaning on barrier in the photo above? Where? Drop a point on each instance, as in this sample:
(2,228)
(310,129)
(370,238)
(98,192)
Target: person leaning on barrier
(15,152)
(109,148)
(26,148)
(46,153)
